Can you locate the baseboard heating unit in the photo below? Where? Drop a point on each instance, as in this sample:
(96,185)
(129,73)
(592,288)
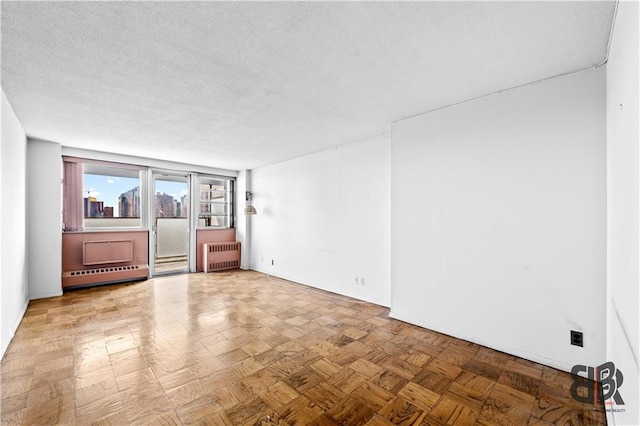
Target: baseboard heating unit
(104,275)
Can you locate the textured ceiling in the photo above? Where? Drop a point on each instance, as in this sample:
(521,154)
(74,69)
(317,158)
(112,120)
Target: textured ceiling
(244,84)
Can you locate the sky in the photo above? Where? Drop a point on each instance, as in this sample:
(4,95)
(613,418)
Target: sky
(108,188)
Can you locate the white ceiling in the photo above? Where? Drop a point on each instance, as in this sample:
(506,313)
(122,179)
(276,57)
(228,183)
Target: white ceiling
(244,84)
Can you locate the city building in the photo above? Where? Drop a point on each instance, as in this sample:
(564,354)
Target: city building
(93,207)
(107,211)
(165,205)
(129,203)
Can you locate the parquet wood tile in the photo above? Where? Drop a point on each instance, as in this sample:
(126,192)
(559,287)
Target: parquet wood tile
(378,420)
(432,381)
(390,381)
(513,397)
(452,413)
(185,394)
(347,380)
(279,394)
(399,411)
(443,368)
(303,379)
(487,370)
(324,420)
(372,395)
(200,410)
(300,411)
(456,356)
(325,395)
(498,412)
(417,358)
(366,368)
(402,368)
(248,412)
(325,367)
(243,348)
(521,382)
(419,396)
(351,411)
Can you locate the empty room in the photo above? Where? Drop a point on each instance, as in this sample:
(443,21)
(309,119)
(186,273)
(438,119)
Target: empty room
(320,213)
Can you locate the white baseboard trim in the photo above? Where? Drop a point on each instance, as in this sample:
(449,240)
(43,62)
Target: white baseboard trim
(46,295)
(308,284)
(553,363)
(14,327)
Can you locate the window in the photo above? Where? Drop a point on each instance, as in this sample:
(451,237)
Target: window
(101,195)
(105,195)
(216,202)
(110,197)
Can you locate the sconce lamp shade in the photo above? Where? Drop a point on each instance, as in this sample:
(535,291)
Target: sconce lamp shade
(249,210)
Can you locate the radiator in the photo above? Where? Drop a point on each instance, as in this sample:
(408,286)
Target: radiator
(220,256)
(104,275)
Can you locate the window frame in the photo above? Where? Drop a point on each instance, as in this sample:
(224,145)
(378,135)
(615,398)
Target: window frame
(74,219)
(230,216)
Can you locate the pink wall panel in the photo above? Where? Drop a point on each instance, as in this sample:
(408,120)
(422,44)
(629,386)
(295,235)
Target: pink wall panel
(205,236)
(72,247)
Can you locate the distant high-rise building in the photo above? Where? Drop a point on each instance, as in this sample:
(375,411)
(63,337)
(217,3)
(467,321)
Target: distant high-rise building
(164,205)
(107,212)
(93,207)
(129,203)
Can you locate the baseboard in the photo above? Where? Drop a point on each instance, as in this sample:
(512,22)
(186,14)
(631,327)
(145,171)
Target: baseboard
(308,284)
(14,327)
(553,363)
(47,295)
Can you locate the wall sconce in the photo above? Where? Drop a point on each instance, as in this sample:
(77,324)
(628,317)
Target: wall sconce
(249,210)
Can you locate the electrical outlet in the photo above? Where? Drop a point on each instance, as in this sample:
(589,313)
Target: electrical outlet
(577,338)
(356,280)
(272,262)
(362,281)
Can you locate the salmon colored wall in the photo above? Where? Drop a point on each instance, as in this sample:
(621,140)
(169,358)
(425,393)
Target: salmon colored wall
(206,236)
(72,247)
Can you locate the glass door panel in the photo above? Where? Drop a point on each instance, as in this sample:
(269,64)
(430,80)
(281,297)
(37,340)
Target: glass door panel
(170,223)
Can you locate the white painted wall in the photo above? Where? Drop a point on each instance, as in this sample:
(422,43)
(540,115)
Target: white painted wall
(3,347)
(325,220)
(623,177)
(499,218)
(14,284)
(44,223)
(243,223)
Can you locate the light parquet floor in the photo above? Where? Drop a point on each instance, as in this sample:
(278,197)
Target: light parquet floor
(242,348)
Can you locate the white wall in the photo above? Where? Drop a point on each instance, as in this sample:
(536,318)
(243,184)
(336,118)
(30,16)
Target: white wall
(325,220)
(15,292)
(243,223)
(44,223)
(623,175)
(498,220)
